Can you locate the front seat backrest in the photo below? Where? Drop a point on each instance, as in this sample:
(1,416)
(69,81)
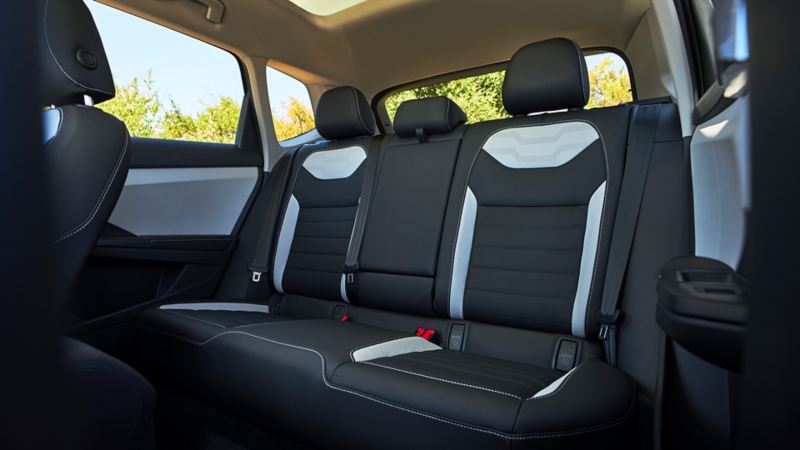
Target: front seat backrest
(86,150)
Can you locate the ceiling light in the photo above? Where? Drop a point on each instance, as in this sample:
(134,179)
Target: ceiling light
(326,7)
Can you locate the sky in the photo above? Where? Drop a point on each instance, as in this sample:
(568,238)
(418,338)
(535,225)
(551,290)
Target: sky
(190,72)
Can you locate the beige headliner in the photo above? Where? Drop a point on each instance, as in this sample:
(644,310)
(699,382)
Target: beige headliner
(383,43)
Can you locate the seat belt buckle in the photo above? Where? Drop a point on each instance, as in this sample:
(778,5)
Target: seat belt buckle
(608,324)
(256,277)
(350,278)
(425,333)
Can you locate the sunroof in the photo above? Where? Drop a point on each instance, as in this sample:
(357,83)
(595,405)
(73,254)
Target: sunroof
(326,7)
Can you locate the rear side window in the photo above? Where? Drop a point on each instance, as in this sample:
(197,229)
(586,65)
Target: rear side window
(481,96)
(290,104)
(169,85)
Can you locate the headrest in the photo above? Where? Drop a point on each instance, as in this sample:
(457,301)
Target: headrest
(73,61)
(427,116)
(344,112)
(546,76)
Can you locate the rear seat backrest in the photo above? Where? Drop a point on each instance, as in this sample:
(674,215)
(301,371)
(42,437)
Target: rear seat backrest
(532,226)
(322,199)
(403,229)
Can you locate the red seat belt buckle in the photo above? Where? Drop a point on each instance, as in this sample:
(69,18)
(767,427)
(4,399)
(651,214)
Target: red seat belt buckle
(345,318)
(428,334)
(425,333)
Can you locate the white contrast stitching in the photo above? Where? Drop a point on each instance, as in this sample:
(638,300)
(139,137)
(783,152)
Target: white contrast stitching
(420,413)
(52,54)
(102,198)
(442,380)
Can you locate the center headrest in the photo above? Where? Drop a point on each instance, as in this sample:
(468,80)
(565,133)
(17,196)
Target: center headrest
(546,76)
(435,115)
(73,61)
(344,112)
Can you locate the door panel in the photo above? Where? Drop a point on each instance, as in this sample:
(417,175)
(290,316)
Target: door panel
(184,201)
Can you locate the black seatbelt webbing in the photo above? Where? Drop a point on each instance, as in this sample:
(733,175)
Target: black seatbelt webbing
(354,248)
(637,165)
(262,255)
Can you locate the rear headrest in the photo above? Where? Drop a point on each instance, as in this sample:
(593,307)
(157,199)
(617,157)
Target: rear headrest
(344,112)
(546,76)
(427,116)
(73,61)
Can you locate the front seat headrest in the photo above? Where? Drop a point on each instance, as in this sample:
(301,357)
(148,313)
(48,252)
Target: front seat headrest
(546,76)
(427,116)
(343,112)
(73,61)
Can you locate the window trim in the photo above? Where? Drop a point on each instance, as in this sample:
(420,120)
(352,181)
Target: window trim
(379,100)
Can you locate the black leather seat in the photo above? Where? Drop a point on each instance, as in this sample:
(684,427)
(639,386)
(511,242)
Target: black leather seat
(110,405)
(495,237)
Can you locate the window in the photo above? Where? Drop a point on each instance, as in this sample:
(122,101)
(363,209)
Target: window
(481,96)
(290,105)
(169,85)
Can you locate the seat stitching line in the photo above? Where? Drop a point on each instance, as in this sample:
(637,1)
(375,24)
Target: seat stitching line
(91,217)
(195,318)
(444,380)
(52,54)
(518,437)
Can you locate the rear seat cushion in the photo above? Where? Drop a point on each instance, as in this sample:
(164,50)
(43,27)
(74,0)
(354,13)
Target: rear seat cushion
(198,322)
(495,395)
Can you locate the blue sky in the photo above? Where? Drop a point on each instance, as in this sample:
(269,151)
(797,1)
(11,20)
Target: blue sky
(188,71)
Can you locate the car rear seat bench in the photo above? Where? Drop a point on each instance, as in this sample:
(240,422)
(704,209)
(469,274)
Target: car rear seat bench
(495,235)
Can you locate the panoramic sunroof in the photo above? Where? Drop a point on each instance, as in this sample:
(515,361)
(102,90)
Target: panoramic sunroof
(326,7)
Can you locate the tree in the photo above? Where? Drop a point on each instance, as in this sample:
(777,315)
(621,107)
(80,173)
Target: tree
(481,96)
(137,106)
(608,87)
(298,119)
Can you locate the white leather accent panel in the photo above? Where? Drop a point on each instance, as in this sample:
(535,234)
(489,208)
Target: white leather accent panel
(552,387)
(466,232)
(591,238)
(343,289)
(396,347)
(184,201)
(285,238)
(540,146)
(335,164)
(223,306)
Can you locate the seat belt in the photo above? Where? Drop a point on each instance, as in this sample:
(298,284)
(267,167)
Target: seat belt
(354,248)
(262,256)
(637,166)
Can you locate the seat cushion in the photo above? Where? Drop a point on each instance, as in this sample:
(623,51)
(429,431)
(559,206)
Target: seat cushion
(511,399)
(198,322)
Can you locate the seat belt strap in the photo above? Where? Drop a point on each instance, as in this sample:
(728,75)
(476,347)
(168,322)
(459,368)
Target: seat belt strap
(637,165)
(354,247)
(262,255)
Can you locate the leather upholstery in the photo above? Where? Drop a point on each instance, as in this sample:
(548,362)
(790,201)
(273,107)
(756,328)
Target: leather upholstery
(111,405)
(435,115)
(546,76)
(497,386)
(87,159)
(73,61)
(343,112)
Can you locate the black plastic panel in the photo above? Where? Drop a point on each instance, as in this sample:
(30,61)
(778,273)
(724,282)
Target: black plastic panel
(702,305)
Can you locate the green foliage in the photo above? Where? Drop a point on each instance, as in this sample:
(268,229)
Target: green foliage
(481,96)
(137,106)
(299,119)
(145,115)
(608,87)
